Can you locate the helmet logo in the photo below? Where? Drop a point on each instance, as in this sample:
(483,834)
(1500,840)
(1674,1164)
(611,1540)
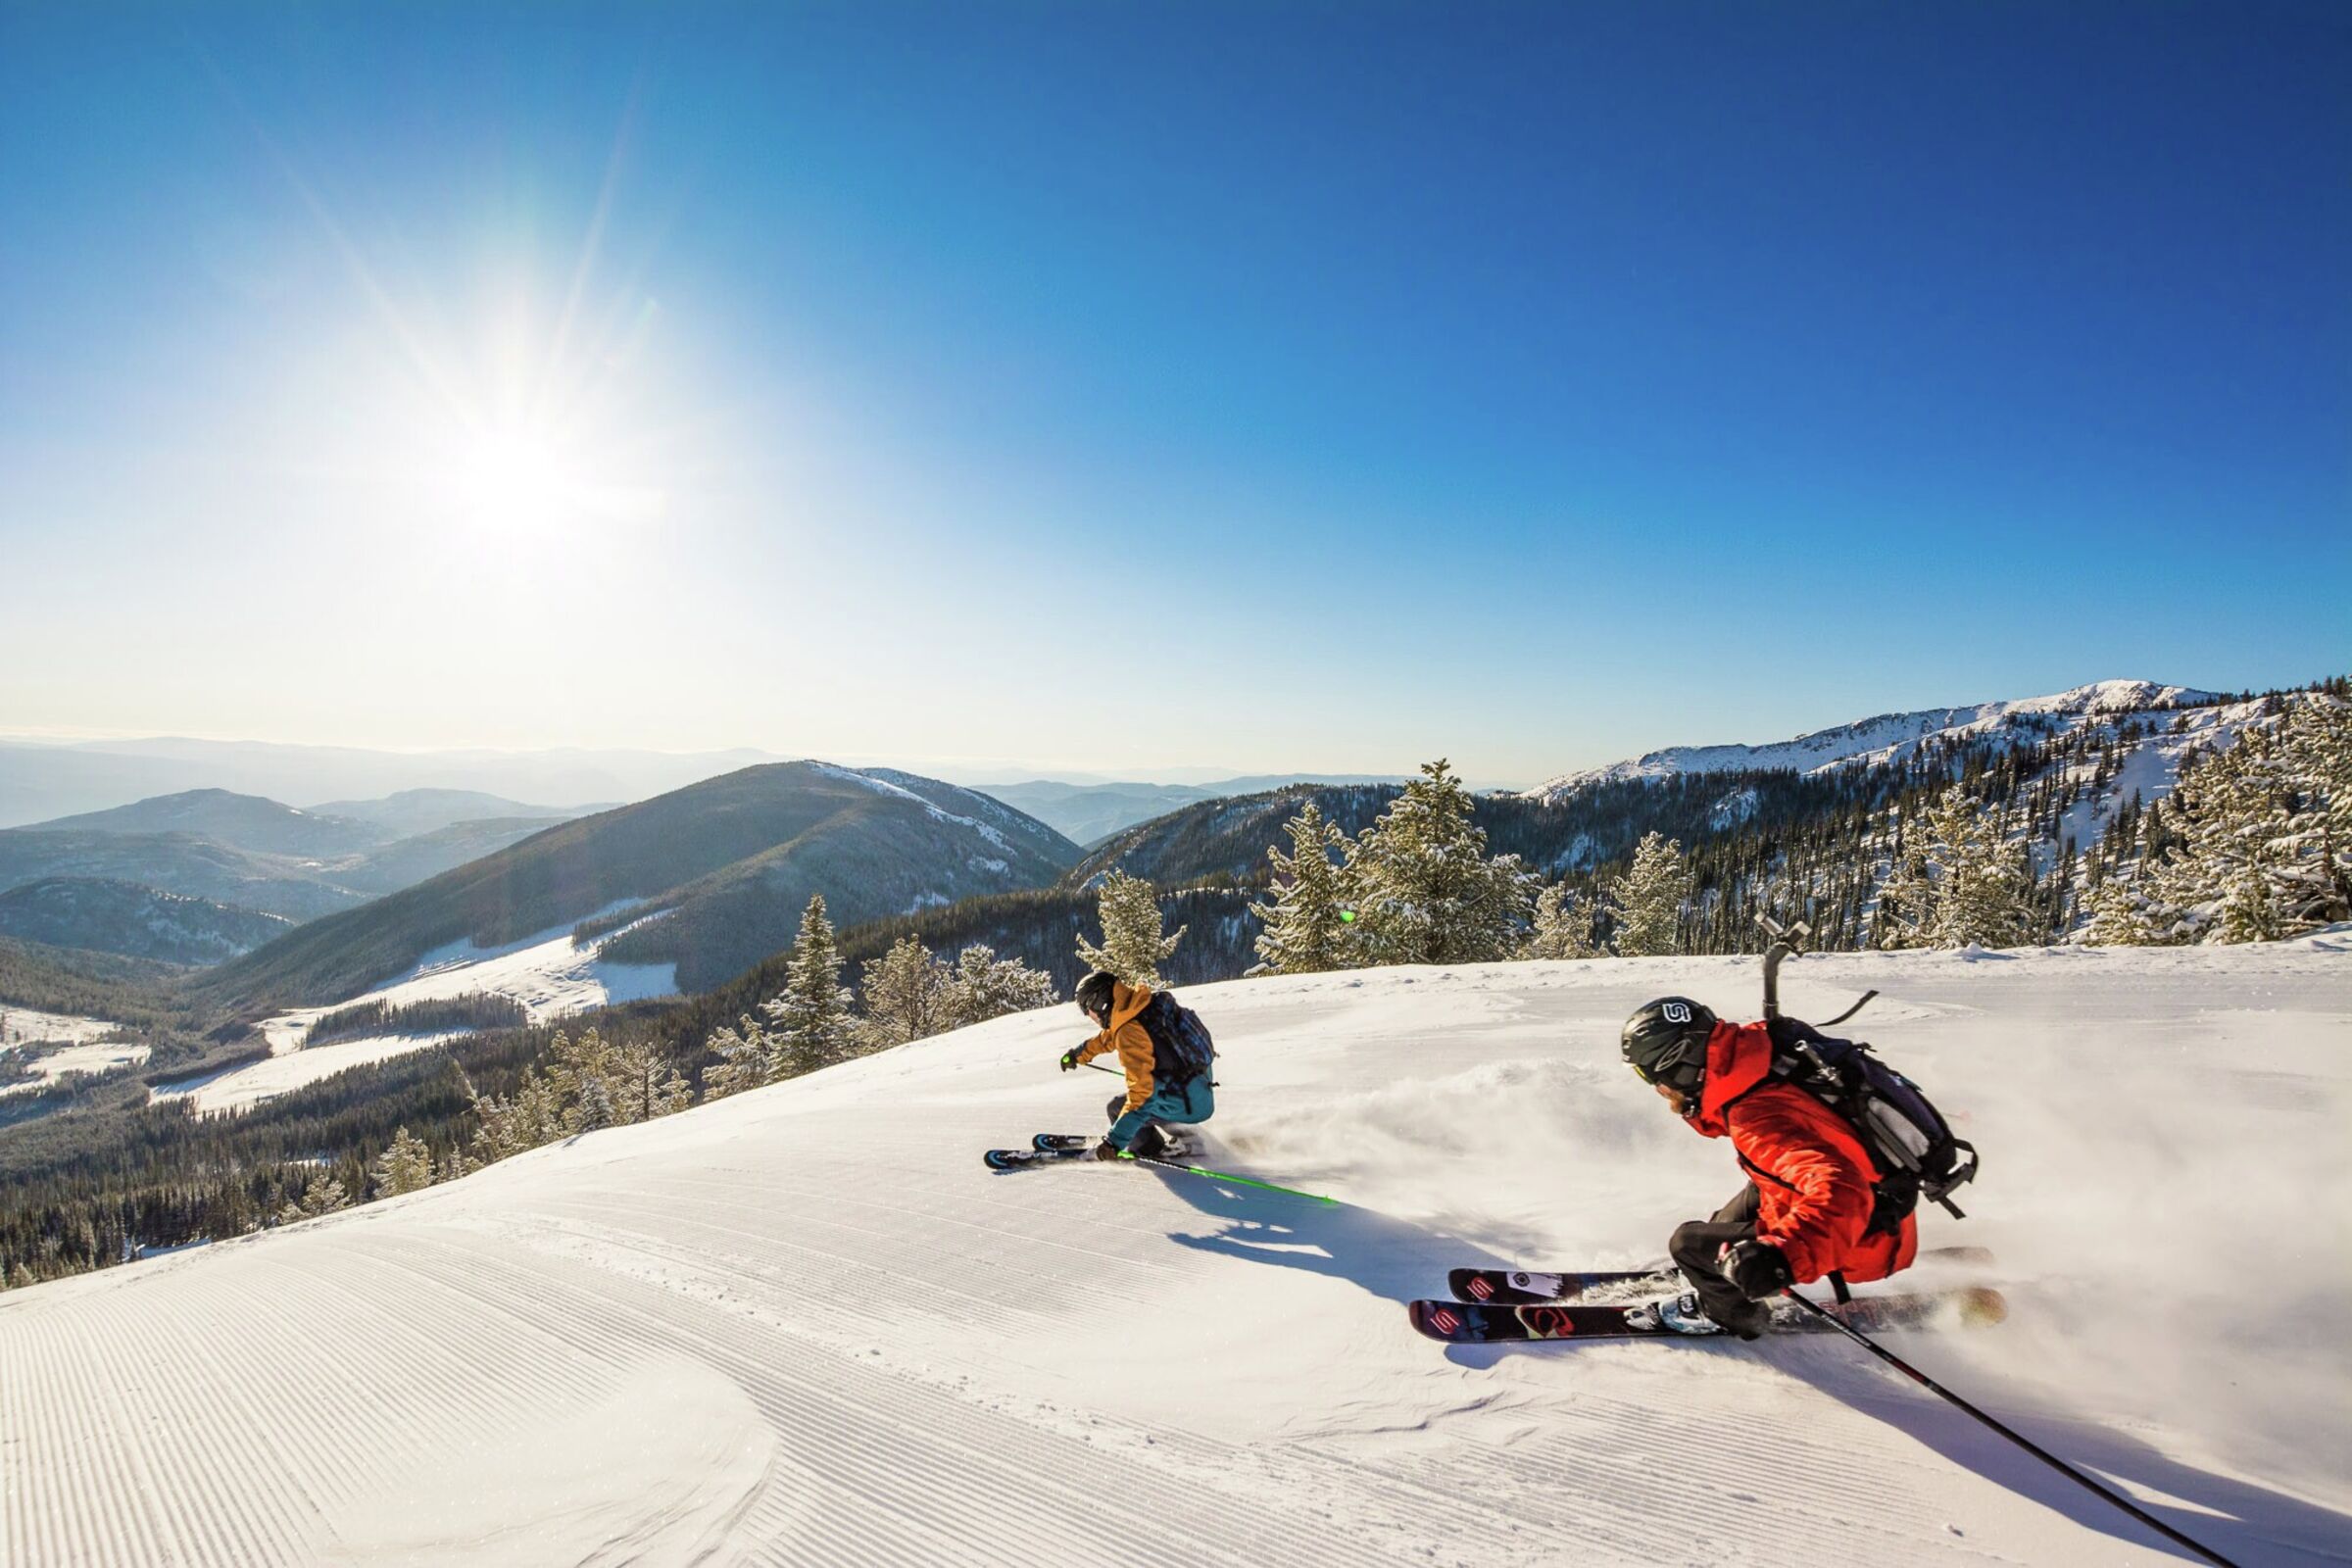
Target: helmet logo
(1677,1013)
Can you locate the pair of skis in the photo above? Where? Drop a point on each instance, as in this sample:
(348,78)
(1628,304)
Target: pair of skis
(1495,1307)
(1054,1148)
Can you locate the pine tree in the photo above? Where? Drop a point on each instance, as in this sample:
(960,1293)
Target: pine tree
(810,1019)
(1133,949)
(1562,929)
(1647,902)
(323,1196)
(644,1083)
(1306,927)
(747,1059)
(907,994)
(1425,891)
(984,986)
(405,1166)
(595,1110)
(1985,892)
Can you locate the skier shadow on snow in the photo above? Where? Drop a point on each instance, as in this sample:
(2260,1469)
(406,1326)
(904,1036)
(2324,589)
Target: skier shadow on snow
(2247,1521)
(1390,1257)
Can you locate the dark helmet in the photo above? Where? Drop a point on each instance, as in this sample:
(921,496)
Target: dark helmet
(1666,1043)
(1094,992)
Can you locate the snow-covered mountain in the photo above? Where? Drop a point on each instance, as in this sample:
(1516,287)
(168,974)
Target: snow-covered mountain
(804,1325)
(1889,737)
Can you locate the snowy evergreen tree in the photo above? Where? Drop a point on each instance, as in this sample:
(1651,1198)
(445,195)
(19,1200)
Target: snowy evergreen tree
(2125,912)
(1305,926)
(1563,928)
(323,1196)
(1964,883)
(2259,844)
(810,1019)
(907,996)
(405,1166)
(1425,891)
(747,1059)
(644,1083)
(594,1110)
(984,986)
(1132,948)
(1647,902)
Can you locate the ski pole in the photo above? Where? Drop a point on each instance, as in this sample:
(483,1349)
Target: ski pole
(1220,1176)
(2012,1434)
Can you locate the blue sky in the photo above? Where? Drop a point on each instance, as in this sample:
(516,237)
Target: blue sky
(1272,387)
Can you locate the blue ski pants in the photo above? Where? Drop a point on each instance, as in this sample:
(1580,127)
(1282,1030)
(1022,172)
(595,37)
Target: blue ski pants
(1194,1102)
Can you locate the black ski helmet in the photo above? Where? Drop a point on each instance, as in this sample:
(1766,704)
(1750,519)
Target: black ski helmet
(1094,992)
(1666,1041)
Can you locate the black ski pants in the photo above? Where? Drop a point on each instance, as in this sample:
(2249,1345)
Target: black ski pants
(1694,1246)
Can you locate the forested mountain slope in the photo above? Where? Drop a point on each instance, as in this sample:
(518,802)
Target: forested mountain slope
(142,922)
(734,859)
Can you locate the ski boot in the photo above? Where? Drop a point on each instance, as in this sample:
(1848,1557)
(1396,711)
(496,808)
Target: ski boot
(1681,1314)
(1158,1141)
(1675,1314)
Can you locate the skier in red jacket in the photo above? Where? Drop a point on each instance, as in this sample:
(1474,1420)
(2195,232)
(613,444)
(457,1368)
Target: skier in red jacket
(1806,1212)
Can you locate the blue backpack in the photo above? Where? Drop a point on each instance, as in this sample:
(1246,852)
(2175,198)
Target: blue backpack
(1181,1049)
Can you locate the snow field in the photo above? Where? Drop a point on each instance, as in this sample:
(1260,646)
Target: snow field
(544,972)
(806,1325)
(23,1026)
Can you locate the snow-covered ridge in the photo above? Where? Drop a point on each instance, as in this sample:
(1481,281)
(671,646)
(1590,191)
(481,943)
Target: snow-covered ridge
(633,1345)
(1886,737)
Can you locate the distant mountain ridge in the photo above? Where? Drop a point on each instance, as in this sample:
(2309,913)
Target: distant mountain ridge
(248,856)
(246,822)
(1885,738)
(731,860)
(102,915)
(405,813)
(42,781)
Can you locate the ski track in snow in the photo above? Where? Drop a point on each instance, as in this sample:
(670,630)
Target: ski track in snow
(806,1326)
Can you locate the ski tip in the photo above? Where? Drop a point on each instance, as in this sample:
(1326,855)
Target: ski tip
(1439,1320)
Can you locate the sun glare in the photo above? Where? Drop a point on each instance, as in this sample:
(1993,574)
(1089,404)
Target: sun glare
(517,478)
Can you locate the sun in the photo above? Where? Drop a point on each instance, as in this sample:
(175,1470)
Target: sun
(518,477)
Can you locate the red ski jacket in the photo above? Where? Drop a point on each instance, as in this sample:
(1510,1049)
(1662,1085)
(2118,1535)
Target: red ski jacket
(1811,1172)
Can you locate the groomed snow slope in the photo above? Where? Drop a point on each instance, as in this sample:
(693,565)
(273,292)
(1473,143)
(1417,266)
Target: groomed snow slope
(806,1326)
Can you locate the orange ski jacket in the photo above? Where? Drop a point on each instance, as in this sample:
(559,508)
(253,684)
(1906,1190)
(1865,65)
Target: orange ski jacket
(1812,1173)
(1130,1039)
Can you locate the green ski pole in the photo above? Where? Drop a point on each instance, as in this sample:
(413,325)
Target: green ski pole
(1220,1176)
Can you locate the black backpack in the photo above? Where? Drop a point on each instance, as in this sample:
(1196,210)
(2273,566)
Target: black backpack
(1181,1049)
(1908,1140)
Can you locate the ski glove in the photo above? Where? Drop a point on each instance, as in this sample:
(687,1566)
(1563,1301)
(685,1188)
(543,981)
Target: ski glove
(1069,1060)
(1758,1268)
(1106,1150)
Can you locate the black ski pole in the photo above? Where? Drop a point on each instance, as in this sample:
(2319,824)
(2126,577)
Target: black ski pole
(2012,1434)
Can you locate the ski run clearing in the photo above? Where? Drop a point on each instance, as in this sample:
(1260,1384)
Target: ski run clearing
(550,976)
(806,1326)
